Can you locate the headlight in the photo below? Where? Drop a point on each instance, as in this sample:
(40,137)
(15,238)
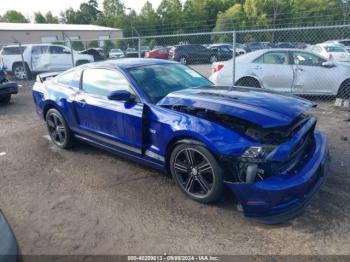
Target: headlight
(256,153)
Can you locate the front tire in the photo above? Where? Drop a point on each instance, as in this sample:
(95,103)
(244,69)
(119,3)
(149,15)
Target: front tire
(197,173)
(344,90)
(58,129)
(21,72)
(5,99)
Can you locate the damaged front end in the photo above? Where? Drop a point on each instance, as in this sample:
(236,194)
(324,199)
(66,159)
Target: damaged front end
(274,182)
(275,178)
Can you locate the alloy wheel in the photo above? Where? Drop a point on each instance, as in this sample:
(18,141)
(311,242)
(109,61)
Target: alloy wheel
(194,172)
(20,72)
(56,128)
(183,60)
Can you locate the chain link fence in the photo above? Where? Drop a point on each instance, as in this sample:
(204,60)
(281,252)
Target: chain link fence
(306,61)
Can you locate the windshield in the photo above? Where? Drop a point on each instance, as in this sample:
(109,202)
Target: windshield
(116,50)
(131,49)
(335,49)
(157,81)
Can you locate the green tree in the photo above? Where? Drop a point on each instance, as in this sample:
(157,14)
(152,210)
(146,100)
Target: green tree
(229,20)
(93,44)
(39,18)
(308,12)
(148,20)
(12,16)
(113,8)
(51,19)
(77,45)
(170,14)
(255,13)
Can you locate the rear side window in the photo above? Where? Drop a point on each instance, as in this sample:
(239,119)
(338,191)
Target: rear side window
(102,82)
(70,78)
(66,78)
(39,50)
(12,50)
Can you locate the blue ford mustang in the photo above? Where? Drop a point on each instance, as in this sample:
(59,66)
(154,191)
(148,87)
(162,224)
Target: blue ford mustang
(261,146)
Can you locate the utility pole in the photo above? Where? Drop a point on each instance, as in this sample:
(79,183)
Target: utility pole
(345,8)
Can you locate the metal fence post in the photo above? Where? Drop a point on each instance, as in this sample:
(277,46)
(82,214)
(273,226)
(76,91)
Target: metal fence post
(70,46)
(139,47)
(23,63)
(233,58)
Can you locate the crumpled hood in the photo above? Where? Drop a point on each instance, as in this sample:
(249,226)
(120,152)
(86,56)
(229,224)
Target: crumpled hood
(261,107)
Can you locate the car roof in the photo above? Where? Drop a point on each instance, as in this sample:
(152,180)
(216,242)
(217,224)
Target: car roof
(126,63)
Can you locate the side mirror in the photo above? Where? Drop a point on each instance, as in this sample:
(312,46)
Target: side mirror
(66,51)
(328,64)
(121,95)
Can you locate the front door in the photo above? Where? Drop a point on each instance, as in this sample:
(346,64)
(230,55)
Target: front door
(310,77)
(116,123)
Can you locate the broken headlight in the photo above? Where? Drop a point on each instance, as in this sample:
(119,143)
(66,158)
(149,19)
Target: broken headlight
(256,154)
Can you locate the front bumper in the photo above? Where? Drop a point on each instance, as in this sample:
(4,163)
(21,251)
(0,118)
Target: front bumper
(8,88)
(282,197)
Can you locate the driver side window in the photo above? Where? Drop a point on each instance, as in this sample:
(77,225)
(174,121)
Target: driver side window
(306,59)
(102,82)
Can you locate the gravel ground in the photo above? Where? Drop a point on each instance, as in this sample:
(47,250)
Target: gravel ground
(87,201)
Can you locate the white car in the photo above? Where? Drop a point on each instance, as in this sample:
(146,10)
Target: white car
(116,53)
(40,58)
(344,42)
(331,51)
(285,70)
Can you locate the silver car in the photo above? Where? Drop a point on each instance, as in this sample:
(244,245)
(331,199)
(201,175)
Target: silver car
(286,70)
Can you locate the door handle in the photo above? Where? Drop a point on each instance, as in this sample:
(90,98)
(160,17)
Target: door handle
(299,69)
(258,68)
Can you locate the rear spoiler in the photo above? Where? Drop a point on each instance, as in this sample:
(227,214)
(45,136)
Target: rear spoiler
(46,76)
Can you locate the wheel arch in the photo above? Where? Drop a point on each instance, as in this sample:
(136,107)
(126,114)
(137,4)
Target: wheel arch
(51,105)
(184,139)
(250,77)
(343,86)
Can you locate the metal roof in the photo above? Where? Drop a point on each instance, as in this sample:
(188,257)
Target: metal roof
(52,27)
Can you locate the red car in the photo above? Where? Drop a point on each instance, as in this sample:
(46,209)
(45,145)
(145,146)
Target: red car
(160,53)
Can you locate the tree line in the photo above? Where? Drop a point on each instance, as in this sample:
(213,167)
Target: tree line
(175,16)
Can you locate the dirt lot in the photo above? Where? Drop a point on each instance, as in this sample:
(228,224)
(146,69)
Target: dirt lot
(87,201)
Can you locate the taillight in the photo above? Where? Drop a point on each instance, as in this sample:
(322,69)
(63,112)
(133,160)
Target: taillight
(147,54)
(217,67)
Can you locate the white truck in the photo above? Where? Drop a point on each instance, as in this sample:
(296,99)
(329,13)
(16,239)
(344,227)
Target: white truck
(40,58)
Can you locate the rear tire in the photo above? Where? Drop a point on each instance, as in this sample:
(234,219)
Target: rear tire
(5,99)
(344,90)
(21,72)
(248,82)
(197,173)
(213,59)
(58,129)
(183,60)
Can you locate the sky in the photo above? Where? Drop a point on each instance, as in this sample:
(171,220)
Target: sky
(28,7)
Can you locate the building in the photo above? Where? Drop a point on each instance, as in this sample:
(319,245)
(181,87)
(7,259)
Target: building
(49,33)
